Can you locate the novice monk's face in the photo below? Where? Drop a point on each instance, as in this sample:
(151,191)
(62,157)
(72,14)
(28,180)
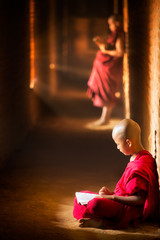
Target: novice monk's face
(112,24)
(122,145)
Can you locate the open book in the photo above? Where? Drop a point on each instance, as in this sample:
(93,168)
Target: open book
(84,198)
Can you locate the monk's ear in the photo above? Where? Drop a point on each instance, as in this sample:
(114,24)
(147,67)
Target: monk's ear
(129,143)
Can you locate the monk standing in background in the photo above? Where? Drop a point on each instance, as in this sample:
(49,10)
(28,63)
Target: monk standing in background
(106,76)
(136,196)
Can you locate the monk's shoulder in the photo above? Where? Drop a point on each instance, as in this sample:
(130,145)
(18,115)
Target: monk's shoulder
(146,160)
(141,165)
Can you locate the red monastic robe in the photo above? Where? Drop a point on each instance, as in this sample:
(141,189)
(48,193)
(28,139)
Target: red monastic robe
(106,76)
(140,174)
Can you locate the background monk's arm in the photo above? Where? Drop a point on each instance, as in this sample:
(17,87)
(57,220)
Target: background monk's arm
(118,52)
(138,199)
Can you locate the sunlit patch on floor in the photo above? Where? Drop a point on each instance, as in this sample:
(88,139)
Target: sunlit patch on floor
(79,125)
(66,220)
(108,126)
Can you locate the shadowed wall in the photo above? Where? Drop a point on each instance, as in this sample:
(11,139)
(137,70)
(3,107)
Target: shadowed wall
(18,103)
(144,56)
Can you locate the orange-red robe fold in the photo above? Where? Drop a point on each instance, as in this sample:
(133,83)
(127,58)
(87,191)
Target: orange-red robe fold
(106,75)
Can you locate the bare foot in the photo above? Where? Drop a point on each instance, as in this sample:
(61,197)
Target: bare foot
(89,222)
(105,116)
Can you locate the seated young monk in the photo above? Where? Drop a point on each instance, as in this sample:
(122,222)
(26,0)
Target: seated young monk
(135,198)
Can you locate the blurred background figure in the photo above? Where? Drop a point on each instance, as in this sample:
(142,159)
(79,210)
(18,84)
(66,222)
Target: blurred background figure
(106,76)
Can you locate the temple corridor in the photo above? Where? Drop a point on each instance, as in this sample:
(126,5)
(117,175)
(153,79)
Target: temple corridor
(59,157)
(49,150)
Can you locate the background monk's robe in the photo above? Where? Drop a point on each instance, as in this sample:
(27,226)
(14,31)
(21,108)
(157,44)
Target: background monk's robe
(106,75)
(140,174)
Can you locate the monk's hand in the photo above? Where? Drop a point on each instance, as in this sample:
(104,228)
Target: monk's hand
(104,190)
(102,47)
(96,39)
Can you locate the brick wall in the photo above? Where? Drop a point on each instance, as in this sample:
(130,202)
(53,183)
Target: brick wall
(17,101)
(154,76)
(144,56)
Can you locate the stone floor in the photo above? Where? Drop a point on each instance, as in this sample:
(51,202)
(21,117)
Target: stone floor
(61,155)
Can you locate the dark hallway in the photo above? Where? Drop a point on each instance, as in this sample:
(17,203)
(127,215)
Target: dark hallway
(48,149)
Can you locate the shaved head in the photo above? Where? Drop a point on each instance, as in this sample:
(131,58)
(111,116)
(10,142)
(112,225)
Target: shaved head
(127,129)
(116,18)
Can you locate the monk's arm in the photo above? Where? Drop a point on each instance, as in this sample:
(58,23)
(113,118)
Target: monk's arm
(138,199)
(104,190)
(118,52)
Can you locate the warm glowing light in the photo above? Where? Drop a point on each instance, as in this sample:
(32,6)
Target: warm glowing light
(154,83)
(126,85)
(52,66)
(32,45)
(108,126)
(53,81)
(32,83)
(117,94)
